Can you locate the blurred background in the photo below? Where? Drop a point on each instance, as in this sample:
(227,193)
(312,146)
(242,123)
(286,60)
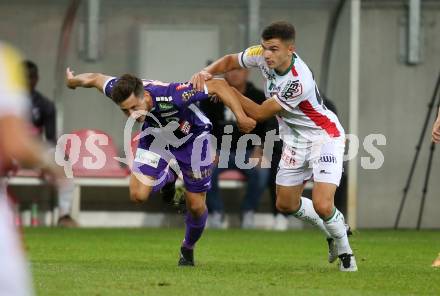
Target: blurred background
(377,60)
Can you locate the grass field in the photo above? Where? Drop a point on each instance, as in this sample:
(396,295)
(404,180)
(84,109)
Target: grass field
(143,262)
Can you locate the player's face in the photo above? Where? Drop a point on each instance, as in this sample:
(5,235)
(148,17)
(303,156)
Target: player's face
(277,53)
(133,104)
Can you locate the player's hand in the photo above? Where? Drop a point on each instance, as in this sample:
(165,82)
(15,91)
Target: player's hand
(246,124)
(436,131)
(70,79)
(199,78)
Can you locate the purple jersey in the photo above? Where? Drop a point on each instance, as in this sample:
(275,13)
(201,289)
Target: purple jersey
(172,102)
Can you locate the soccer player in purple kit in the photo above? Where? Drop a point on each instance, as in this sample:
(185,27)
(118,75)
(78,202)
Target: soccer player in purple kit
(172,106)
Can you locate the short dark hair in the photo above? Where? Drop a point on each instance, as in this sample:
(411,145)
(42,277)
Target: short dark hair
(282,30)
(126,85)
(31,68)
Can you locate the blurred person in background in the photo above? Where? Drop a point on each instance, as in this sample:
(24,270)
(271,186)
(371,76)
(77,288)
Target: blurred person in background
(256,177)
(16,144)
(43,118)
(436,129)
(436,139)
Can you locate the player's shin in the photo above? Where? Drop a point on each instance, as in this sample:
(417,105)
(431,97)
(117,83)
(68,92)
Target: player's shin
(194,228)
(335,225)
(307,213)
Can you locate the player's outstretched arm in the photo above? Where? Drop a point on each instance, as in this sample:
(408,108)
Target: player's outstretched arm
(87,80)
(262,112)
(225,64)
(16,144)
(227,95)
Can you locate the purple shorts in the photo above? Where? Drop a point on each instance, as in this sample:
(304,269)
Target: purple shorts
(194,157)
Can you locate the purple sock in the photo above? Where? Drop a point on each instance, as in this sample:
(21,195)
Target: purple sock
(170,177)
(194,229)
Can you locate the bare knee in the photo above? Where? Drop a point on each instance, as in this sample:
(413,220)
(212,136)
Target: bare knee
(139,191)
(138,196)
(288,198)
(286,206)
(196,208)
(323,208)
(323,197)
(195,203)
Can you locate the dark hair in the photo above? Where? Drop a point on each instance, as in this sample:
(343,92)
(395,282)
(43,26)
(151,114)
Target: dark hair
(126,85)
(31,68)
(282,30)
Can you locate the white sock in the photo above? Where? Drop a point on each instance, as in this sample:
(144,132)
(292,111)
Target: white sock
(65,196)
(307,213)
(336,226)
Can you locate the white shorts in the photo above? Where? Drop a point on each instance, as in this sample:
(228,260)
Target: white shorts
(323,161)
(14,274)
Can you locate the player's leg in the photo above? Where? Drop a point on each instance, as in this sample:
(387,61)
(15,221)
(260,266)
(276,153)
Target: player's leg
(323,201)
(327,174)
(290,202)
(195,159)
(140,188)
(293,171)
(195,222)
(65,199)
(151,171)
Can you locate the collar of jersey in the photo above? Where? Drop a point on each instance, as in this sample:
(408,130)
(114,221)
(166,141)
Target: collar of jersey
(292,62)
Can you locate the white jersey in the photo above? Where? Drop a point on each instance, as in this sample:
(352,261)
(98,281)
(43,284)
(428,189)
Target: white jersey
(304,119)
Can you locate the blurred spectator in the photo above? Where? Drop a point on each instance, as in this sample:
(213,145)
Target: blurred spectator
(256,177)
(436,129)
(43,117)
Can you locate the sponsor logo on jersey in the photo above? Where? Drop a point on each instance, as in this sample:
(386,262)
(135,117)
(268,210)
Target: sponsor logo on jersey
(165,106)
(164,99)
(328,158)
(266,72)
(273,89)
(288,157)
(182,86)
(147,157)
(292,89)
(185,127)
(187,95)
(253,51)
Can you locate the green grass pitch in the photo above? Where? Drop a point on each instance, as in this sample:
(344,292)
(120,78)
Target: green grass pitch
(144,262)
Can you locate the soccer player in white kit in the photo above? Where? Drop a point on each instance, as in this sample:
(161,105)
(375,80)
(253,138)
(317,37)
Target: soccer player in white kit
(15,143)
(314,140)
